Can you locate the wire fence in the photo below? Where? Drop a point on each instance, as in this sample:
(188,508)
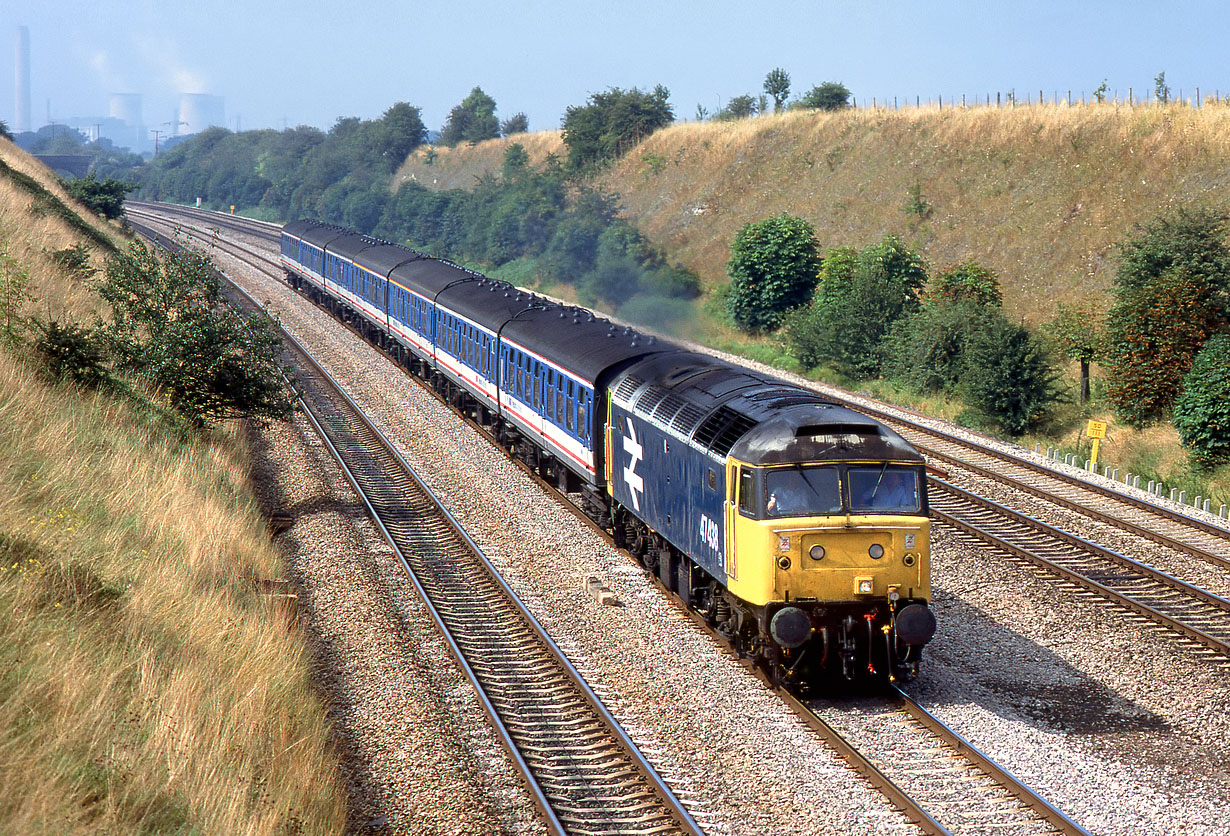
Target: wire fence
(1071,98)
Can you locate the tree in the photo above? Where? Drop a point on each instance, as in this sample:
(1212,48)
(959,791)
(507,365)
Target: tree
(1152,336)
(612,122)
(831,95)
(1078,333)
(740,107)
(1100,93)
(777,85)
(169,325)
(518,123)
(473,120)
(400,131)
(1008,374)
(854,309)
(773,268)
(104,197)
(5,133)
(1202,409)
(1172,289)
(1161,92)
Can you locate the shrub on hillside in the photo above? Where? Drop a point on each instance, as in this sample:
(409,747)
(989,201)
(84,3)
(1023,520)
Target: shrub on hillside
(171,327)
(927,350)
(1152,335)
(831,95)
(967,281)
(1008,375)
(1202,409)
(611,122)
(773,268)
(856,303)
(1173,291)
(103,197)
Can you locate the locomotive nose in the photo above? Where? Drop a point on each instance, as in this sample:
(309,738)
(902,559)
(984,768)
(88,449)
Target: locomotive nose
(915,624)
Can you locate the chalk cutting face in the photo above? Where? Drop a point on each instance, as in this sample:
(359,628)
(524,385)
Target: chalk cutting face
(634,481)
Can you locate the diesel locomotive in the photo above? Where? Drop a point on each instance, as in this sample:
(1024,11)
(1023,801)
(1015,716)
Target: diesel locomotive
(796,527)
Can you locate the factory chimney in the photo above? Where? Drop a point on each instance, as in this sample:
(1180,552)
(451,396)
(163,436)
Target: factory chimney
(22,123)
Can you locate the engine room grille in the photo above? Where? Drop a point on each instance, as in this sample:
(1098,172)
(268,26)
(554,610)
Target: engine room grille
(626,387)
(722,429)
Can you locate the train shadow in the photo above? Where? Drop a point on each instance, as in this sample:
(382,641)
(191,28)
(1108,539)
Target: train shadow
(1014,677)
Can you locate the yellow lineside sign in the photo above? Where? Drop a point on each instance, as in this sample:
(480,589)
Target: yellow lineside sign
(1096,429)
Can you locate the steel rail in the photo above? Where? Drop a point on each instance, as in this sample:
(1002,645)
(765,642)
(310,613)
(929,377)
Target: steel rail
(673,807)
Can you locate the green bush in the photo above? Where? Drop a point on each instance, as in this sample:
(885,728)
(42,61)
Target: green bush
(1202,409)
(773,268)
(927,350)
(170,327)
(856,303)
(612,122)
(1152,335)
(968,280)
(103,197)
(72,352)
(1172,290)
(1008,374)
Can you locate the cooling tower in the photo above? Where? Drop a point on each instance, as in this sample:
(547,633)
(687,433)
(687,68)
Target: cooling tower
(21,123)
(198,111)
(126,107)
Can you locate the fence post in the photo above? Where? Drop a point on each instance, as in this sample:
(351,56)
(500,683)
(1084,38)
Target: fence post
(916,100)
(1197,97)
(1130,102)
(941,101)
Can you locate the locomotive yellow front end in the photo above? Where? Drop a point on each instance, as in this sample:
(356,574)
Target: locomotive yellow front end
(827,538)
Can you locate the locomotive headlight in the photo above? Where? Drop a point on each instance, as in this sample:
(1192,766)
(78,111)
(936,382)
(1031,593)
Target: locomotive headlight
(783,562)
(817,552)
(876,551)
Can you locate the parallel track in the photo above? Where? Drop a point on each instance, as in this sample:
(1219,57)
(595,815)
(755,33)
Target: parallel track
(585,772)
(1003,801)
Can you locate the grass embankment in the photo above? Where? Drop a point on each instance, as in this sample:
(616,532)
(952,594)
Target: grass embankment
(1041,194)
(146,684)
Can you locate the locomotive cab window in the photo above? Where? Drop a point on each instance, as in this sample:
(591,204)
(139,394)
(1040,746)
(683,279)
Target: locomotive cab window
(801,490)
(748,504)
(884,489)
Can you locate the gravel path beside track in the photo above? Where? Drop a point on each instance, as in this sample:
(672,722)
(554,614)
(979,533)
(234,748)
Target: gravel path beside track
(1124,730)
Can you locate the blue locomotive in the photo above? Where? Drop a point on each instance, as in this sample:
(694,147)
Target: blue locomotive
(796,527)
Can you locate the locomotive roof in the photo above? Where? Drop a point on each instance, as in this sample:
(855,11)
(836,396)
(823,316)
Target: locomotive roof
(579,341)
(382,258)
(820,433)
(757,418)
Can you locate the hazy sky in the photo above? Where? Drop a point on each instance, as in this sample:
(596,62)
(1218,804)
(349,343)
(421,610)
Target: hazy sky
(310,62)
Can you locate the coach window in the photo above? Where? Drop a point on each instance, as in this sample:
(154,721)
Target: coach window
(582,424)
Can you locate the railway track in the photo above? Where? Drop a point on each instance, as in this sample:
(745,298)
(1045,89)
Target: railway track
(1174,530)
(1194,614)
(940,782)
(585,773)
(1190,611)
(963,790)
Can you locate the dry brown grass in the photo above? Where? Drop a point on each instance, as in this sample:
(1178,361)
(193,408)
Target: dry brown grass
(1040,194)
(146,686)
(460,167)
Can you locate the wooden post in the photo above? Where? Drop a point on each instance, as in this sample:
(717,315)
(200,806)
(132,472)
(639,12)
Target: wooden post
(1130,102)
(997,98)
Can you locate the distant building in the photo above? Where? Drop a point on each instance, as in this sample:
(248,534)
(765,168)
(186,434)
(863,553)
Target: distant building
(198,111)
